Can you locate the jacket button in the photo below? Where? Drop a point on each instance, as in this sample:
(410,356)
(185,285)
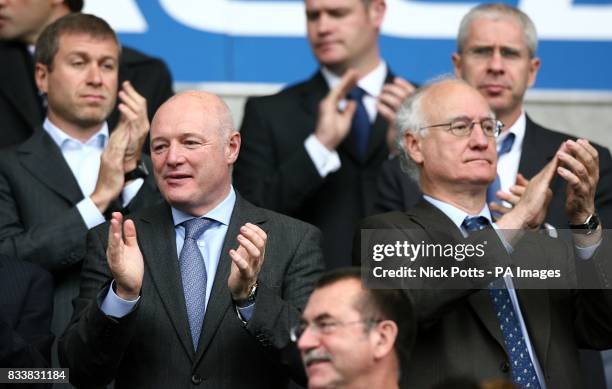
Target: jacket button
(196,379)
(504,366)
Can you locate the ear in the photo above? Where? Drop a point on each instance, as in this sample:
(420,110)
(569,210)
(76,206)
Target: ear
(232,148)
(41,73)
(376,11)
(534,66)
(456,58)
(412,146)
(385,334)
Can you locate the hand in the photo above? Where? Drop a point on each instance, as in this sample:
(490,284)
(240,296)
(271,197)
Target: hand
(124,257)
(111,174)
(247,260)
(530,211)
(389,102)
(580,168)
(332,125)
(135,121)
(516,192)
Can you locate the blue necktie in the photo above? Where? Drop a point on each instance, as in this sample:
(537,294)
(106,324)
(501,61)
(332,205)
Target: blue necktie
(523,372)
(193,274)
(496,185)
(360,126)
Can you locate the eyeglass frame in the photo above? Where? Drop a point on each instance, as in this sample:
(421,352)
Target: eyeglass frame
(499,125)
(327,329)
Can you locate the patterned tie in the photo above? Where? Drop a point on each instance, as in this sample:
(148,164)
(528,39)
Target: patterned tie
(496,185)
(360,126)
(523,372)
(193,274)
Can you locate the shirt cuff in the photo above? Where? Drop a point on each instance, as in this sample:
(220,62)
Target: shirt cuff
(245,313)
(130,191)
(325,161)
(90,213)
(115,306)
(585,253)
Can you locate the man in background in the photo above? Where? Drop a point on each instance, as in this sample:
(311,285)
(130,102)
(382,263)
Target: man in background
(22,105)
(314,150)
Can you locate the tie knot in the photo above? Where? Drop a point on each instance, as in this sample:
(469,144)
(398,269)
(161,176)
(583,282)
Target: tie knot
(506,145)
(195,227)
(356,93)
(475,223)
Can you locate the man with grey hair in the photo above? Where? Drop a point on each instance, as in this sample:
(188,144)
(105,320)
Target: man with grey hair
(201,289)
(499,330)
(496,53)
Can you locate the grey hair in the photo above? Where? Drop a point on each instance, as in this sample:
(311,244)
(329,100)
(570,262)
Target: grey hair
(411,117)
(496,11)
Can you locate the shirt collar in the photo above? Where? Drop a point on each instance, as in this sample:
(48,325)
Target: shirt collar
(60,138)
(518,129)
(222,213)
(372,82)
(455,214)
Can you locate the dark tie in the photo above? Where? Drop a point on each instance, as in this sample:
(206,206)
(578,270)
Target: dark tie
(193,275)
(360,126)
(523,372)
(496,185)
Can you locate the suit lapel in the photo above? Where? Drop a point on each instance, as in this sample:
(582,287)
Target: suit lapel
(378,130)
(432,219)
(15,71)
(536,152)
(535,307)
(158,243)
(220,299)
(44,160)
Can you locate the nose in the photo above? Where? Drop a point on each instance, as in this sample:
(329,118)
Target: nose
(323,24)
(495,64)
(174,156)
(94,76)
(307,340)
(478,139)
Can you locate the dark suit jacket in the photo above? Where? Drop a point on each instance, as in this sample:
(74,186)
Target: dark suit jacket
(151,347)
(26,303)
(274,170)
(20,106)
(458,332)
(39,221)
(396,191)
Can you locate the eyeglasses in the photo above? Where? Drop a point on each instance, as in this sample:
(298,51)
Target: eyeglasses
(325,327)
(464,127)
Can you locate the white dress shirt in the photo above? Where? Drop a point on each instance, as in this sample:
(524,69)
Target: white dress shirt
(327,161)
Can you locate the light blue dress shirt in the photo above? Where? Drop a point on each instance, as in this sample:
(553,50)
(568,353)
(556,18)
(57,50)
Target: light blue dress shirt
(458,216)
(210,244)
(83,159)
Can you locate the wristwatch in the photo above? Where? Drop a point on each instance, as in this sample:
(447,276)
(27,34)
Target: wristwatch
(141,171)
(250,298)
(588,227)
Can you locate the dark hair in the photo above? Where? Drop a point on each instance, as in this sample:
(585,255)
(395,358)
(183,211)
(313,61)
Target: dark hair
(74,5)
(383,304)
(74,23)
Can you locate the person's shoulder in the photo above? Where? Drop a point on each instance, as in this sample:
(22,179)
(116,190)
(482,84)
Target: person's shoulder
(558,137)
(277,221)
(287,95)
(387,219)
(132,58)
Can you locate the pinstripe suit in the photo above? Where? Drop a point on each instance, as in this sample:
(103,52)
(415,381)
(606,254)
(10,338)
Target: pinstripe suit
(151,347)
(39,222)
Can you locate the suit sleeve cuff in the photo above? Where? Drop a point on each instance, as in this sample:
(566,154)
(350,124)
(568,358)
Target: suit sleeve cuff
(90,214)
(325,161)
(115,306)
